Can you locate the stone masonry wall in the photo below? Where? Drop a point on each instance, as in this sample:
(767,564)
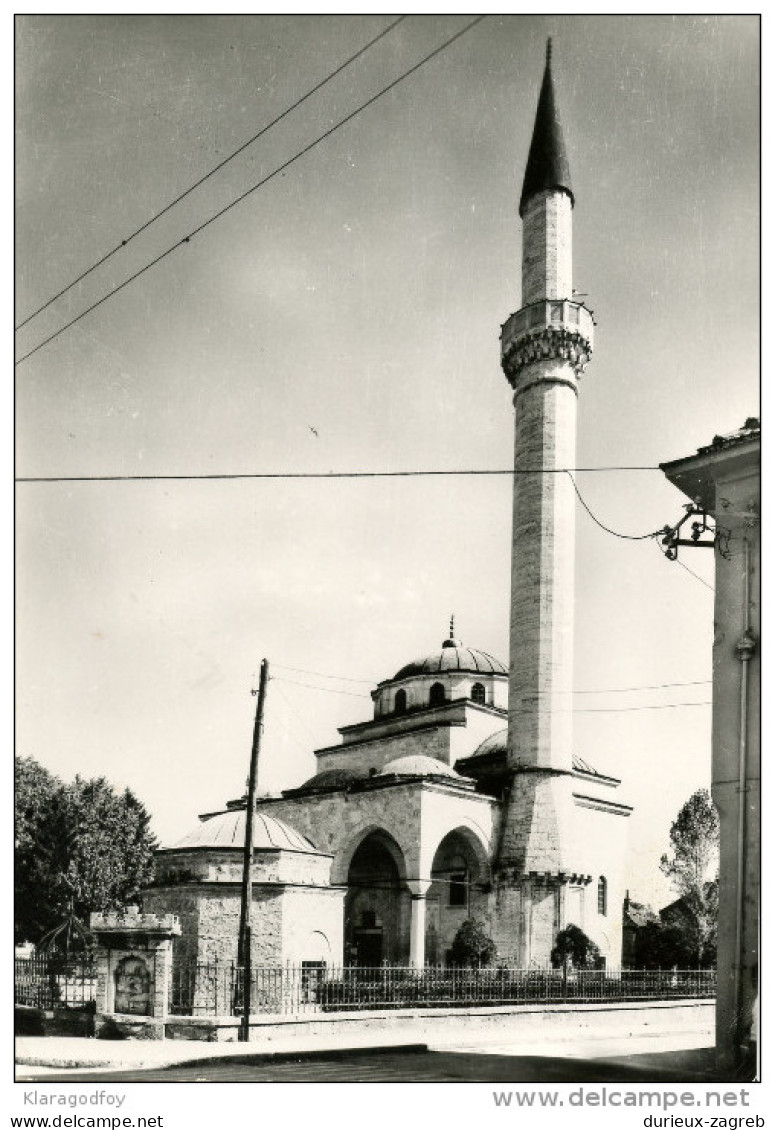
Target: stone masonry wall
(547,247)
(376,755)
(542,613)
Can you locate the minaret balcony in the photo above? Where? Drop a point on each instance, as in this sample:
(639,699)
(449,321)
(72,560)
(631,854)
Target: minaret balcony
(552,329)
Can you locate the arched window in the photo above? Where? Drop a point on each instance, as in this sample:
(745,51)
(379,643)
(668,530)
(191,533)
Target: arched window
(400,702)
(602,895)
(438,697)
(477,693)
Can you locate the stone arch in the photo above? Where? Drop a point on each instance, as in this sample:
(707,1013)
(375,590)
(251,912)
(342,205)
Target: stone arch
(377,903)
(460,877)
(475,838)
(341,865)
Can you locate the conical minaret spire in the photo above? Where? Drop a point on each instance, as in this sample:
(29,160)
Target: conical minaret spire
(547,162)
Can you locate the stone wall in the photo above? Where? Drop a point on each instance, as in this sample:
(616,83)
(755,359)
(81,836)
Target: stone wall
(547,247)
(365,756)
(209,917)
(224,865)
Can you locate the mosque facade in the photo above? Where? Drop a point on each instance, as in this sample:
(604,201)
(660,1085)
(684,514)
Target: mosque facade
(461,797)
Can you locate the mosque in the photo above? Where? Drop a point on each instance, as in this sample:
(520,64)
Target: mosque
(462,796)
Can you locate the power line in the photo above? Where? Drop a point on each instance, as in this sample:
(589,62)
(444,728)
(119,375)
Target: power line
(652,687)
(212,171)
(697,577)
(186,239)
(325,690)
(322,475)
(321,675)
(628,709)
(570,710)
(608,530)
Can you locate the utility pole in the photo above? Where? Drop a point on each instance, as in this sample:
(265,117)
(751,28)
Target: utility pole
(244,946)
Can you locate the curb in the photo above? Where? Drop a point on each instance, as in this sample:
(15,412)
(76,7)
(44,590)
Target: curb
(286,1056)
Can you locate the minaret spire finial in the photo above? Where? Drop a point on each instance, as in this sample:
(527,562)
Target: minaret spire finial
(547,162)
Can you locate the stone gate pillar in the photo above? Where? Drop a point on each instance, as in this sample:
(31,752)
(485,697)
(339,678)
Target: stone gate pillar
(134,964)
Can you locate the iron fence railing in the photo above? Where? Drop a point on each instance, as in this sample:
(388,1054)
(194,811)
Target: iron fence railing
(48,981)
(217,988)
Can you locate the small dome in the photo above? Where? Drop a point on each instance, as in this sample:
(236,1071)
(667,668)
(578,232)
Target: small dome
(418,765)
(227,830)
(329,779)
(496,743)
(453,656)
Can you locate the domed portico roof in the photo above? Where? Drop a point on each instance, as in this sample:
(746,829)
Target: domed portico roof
(227,830)
(418,765)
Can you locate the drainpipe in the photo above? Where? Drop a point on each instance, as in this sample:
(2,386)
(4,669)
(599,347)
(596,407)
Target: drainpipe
(744,649)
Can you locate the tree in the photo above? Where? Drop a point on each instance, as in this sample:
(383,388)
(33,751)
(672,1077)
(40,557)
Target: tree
(86,848)
(472,946)
(34,791)
(661,946)
(692,868)
(573,947)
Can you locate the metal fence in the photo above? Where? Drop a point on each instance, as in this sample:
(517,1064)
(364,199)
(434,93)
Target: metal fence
(46,981)
(217,989)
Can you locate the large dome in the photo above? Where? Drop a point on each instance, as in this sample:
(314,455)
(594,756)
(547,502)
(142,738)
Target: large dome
(453,656)
(227,830)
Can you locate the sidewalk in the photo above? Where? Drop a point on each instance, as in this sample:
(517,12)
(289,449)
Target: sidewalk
(38,1056)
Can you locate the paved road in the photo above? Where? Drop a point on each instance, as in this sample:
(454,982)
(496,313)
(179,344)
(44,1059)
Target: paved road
(423,1067)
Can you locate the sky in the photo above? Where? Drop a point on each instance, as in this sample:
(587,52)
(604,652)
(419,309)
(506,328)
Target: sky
(346,317)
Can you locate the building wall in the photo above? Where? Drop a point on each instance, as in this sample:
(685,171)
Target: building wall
(224,865)
(732,719)
(457,684)
(724,479)
(209,919)
(417,815)
(433,742)
(603,850)
(312,924)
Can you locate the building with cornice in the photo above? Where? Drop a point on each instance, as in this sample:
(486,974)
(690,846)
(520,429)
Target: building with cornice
(461,796)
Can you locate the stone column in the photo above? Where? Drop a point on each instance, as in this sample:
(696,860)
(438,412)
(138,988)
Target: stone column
(419,890)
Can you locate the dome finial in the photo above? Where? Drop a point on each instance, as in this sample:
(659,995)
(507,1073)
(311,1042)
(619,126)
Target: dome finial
(451,642)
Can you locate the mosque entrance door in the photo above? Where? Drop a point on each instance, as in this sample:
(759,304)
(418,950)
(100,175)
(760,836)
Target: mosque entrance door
(377,905)
(368,948)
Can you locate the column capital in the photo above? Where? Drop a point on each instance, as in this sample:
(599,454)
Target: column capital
(419,887)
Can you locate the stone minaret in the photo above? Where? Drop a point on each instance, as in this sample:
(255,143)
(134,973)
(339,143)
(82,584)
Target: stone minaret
(545,347)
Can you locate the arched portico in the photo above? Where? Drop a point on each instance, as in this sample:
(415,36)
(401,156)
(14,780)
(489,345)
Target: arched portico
(377,904)
(460,880)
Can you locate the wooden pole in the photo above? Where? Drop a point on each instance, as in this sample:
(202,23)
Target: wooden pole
(244,946)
